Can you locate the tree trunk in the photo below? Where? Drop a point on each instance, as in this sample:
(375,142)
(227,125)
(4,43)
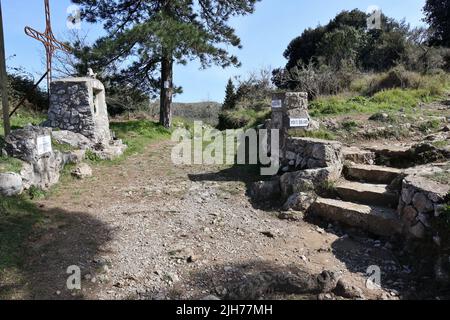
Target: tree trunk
(165,117)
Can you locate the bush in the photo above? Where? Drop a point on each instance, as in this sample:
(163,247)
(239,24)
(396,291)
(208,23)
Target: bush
(242,118)
(399,77)
(314,80)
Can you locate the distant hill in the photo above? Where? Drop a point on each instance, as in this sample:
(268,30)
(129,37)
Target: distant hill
(207,112)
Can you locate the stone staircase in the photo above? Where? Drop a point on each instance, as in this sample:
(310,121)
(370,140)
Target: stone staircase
(363,199)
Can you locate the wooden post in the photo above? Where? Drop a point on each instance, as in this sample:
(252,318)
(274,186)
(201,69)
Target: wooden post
(4,78)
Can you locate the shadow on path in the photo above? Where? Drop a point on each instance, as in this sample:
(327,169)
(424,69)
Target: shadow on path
(44,244)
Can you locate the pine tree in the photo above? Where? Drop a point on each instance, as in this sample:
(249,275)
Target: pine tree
(230,96)
(145,38)
(437,15)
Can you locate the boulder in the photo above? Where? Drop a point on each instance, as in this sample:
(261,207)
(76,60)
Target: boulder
(307,180)
(10,184)
(23,143)
(82,171)
(300,201)
(266,190)
(74,157)
(109,151)
(314,153)
(75,140)
(44,172)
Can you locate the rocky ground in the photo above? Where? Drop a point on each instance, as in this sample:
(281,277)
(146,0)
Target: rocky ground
(145,229)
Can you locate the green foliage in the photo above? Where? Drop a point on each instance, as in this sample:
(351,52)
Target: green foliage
(430,125)
(437,15)
(243,118)
(140,35)
(138,134)
(345,41)
(36,193)
(384,101)
(92,157)
(22,118)
(20,84)
(349,125)
(340,48)
(9,164)
(230,96)
(252,102)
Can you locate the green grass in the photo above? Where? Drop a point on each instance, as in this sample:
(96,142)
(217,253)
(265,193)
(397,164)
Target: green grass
(384,101)
(243,118)
(138,134)
(22,118)
(441,144)
(430,125)
(18,215)
(8,164)
(350,125)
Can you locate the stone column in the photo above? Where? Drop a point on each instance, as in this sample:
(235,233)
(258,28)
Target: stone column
(289,111)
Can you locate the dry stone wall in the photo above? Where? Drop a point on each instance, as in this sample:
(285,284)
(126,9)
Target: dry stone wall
(422,200)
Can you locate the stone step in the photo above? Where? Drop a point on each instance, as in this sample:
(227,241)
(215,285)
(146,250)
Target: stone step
(371,174)
(365,193)
(357,155)
(377,220)
(393,151)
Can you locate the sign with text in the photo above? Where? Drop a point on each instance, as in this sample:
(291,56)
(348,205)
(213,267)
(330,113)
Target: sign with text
(44,145)
(277,104)
(299,122)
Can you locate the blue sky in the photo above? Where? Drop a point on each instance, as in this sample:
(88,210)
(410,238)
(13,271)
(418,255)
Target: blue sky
(265,35)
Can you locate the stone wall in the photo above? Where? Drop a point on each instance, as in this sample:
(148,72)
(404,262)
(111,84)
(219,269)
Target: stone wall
(311,163)
(79,105)
(421,201)
(309,153)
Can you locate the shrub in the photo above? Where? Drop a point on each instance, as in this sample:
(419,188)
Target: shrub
(314,80)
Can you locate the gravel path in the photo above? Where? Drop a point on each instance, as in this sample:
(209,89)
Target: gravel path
(145,229)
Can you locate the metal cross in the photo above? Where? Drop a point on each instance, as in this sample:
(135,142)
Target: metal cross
(49,41)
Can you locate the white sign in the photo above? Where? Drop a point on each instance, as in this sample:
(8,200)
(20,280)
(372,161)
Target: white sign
(44,145)
(276,104)
(302,122)
(167,84)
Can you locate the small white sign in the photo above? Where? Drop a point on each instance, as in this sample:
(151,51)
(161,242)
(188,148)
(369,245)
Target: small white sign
(276,104)
(167,84)
(44,145)
(299,123)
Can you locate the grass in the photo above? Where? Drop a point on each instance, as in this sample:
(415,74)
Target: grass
(8,164)
(384,101)
(22,118)
(441,144)
(430,125)
(18,215)
(243,118)
(442,177)
(137,135)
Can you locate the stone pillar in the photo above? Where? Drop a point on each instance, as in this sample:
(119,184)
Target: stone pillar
(289,111)
(79,105)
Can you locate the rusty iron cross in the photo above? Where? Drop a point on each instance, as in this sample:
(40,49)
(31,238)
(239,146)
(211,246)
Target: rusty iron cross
(49,41)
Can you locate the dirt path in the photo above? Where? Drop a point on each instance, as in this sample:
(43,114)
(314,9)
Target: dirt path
(145,229)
